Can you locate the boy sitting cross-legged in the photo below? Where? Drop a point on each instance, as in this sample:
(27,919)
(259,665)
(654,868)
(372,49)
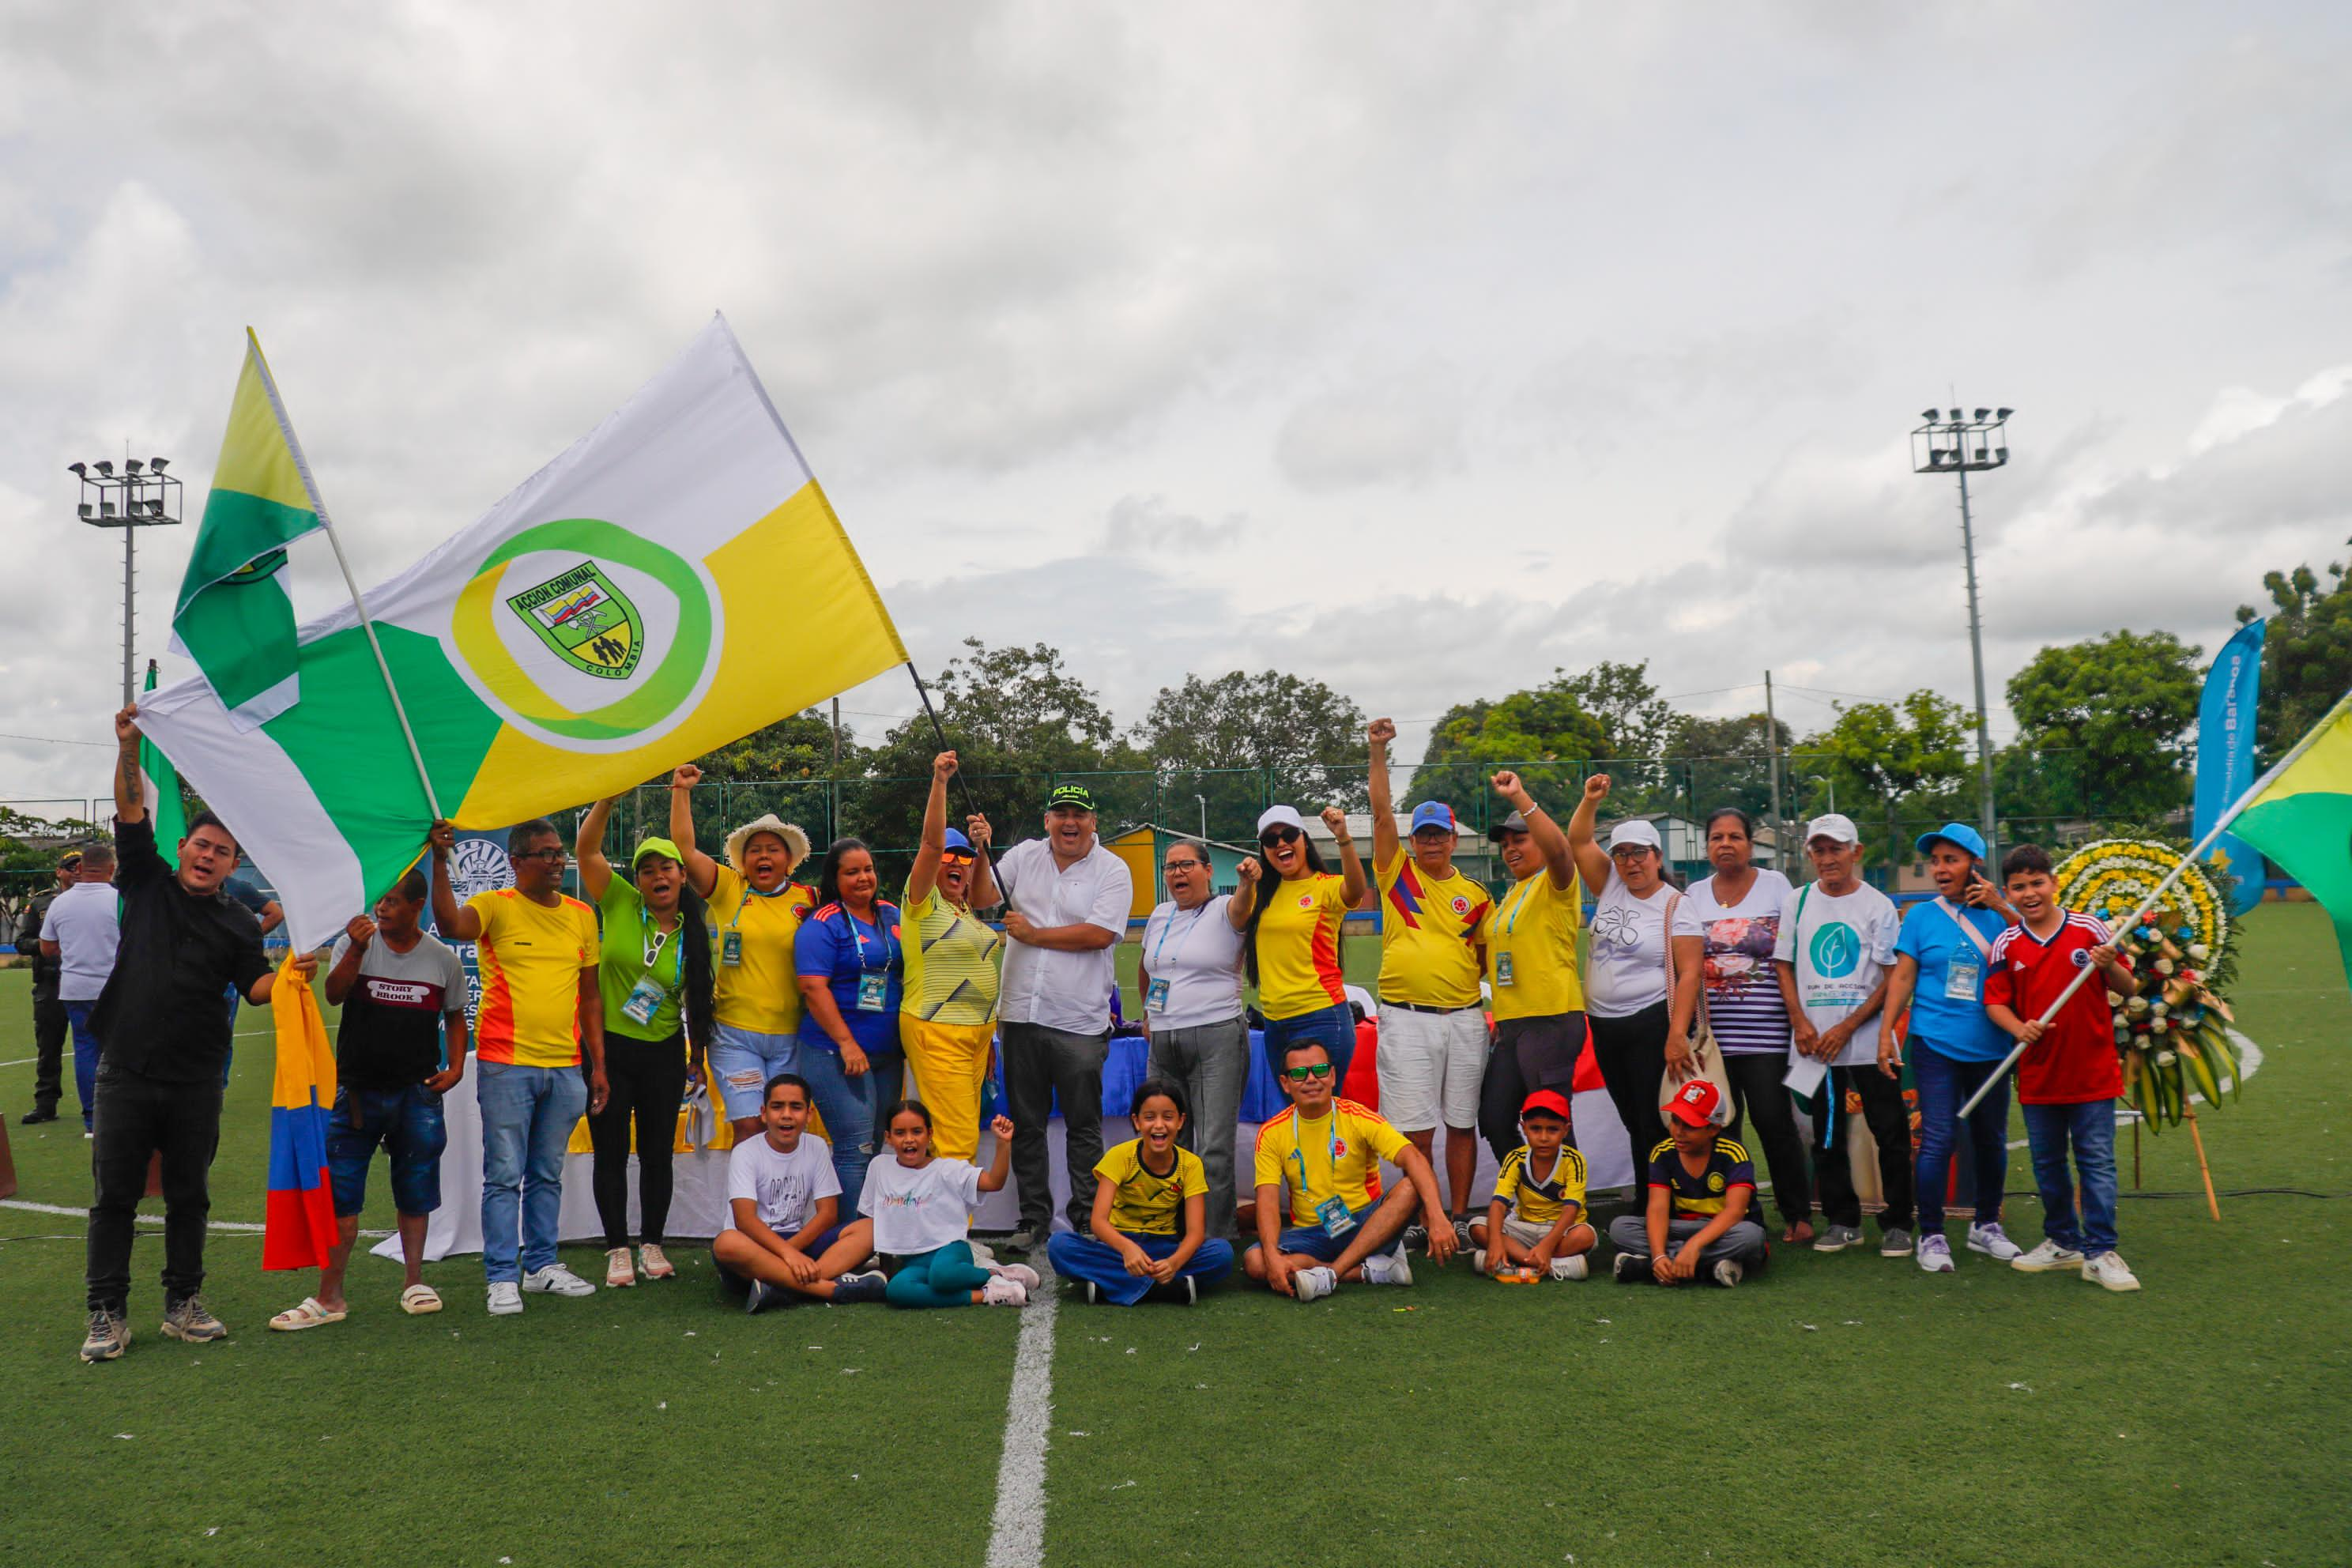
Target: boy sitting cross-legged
(1701,1187)
(784,1202)
(1535,1222)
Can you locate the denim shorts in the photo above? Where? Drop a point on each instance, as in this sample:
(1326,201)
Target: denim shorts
(408,1123)
(1315,1242)
(742,1063)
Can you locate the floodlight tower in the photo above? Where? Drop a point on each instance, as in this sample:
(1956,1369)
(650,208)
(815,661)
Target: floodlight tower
(1945,443)
(141,496)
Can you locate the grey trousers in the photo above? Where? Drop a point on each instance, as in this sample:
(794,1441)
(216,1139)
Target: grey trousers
(1743,1243)
(1040,1066)
(1211,1061)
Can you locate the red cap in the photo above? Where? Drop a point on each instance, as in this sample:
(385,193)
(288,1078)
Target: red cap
(1549,1100)
(1699,1103)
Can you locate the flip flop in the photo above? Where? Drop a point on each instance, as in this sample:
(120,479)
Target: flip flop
(418,1299)
(308,1315)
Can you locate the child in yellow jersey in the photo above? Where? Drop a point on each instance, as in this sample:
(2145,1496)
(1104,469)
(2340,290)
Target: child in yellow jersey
(1329,1153)
(1535,1222)
(1151,1220)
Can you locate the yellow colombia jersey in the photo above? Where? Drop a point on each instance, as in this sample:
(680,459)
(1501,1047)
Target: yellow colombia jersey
(1339,1155)
(762,993)
(1540,1203)
(1429,934)
(530,957)
(1298,945)
(1145,1204)
(1532,939)
(950,961)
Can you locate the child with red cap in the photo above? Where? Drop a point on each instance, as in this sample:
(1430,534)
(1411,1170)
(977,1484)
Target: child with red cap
(1702,1185)
(1535,1222)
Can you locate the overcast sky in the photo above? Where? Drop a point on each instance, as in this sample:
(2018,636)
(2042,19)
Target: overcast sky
(1417,349)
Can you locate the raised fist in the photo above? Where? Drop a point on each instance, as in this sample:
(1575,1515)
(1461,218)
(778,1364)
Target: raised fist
(1248,870)
(686,775)
(944,766)
(1596,786)
(1381,731)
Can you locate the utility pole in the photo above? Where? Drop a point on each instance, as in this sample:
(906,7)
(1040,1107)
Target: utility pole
(836,737)
(130,500)
(1955,446)
(1772,749)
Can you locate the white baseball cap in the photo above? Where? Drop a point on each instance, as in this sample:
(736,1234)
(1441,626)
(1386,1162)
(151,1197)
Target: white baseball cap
(1638,833)
(1833,825)
(1279,817)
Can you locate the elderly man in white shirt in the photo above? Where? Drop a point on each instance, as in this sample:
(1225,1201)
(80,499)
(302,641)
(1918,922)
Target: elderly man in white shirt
(1069,899)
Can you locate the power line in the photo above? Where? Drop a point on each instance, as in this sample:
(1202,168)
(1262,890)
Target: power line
(51,740)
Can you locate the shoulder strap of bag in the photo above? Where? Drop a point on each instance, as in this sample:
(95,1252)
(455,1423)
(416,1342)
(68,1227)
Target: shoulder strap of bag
(1984,948)
(1705,1029)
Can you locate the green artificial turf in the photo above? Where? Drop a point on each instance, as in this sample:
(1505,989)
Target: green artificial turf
(1836,1410)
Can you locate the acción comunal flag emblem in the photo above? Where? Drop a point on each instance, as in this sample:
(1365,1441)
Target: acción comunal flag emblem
(586,619)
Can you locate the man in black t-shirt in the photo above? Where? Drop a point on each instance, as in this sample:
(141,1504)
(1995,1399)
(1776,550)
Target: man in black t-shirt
(399,988)
(1702,1185)
(167,1036)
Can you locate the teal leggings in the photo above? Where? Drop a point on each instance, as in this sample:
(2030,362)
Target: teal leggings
(945,1278)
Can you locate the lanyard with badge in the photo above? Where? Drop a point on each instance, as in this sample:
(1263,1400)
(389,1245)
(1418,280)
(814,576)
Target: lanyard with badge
(1514,905)
(1155,999)
(730,941)
(646,997)
(873,985)
(1333,1210)
(1963,981)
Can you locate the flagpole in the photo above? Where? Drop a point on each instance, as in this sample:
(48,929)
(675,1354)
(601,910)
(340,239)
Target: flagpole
(2219,825)
(962,783)
(326,525)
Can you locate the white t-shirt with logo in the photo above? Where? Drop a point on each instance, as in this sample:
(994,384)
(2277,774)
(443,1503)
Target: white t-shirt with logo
(1198,953)
(1626,965)
(919,1210)
(786,1187)
(1840,947)
(86,922)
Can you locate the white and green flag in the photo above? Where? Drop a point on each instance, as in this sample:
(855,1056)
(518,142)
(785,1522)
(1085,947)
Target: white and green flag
(165,807)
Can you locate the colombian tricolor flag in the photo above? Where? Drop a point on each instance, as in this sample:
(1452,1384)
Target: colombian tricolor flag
(298,1229)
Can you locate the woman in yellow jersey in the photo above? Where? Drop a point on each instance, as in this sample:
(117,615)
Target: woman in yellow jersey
(756,909)
(1290,926)
(1531,969)
(947,1021)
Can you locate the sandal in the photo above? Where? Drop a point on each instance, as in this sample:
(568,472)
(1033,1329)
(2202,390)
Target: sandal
(418,1299)
(308,1315)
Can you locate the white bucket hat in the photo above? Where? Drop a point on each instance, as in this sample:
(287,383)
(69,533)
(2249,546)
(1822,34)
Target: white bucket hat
(796,843)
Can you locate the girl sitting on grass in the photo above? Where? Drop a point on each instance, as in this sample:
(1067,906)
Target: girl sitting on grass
(1151,1213)
(921,1208)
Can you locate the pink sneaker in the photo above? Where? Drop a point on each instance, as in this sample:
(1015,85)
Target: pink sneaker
(1004,1290)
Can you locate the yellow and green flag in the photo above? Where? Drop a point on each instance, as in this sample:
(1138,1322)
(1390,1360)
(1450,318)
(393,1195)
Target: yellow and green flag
(672,583)
(2300,815)
(233,616)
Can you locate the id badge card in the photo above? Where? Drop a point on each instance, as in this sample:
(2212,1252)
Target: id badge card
(873,992)
(1336,1220)
(730,948)
(644,999)
(1502,969)
(1960,981)
(1156,999)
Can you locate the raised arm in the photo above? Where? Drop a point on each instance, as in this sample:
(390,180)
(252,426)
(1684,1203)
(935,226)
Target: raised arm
(346,972)
(1550,842)
(1592,860)
(1244,899)
(129,790)
(925,875)
(984,892)
(701,870)
(1352,865)
(453,919)
(588,848)
(1384,833)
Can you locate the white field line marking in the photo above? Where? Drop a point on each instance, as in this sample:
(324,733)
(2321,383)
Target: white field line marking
(241,1034)
(1016,1536)
(20,1061)
(240,1226)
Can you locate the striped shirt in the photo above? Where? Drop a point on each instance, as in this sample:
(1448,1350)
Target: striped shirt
(950,962)
(1744,1006)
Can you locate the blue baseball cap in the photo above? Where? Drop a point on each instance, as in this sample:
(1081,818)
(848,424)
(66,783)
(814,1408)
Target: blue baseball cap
(1434,814)
(956,840)
(1957,834)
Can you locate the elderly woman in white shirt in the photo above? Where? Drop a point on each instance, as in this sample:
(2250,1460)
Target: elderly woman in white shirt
(1192,983)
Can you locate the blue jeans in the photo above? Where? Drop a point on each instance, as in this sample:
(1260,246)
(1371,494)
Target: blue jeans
(85,1057)
(527,1115)
(852,1108)
(1944,1084)
(1084,1258)
(1332,1027)
(2091,1128)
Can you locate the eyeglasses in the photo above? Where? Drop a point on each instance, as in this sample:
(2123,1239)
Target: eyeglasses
(1278,836)
(552,856)
(1312,1069)
(1185,865)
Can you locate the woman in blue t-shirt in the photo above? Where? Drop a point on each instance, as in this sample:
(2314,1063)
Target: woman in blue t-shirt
(852,976)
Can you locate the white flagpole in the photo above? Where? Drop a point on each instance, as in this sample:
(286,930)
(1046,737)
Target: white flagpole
(326,525)
(2147,903)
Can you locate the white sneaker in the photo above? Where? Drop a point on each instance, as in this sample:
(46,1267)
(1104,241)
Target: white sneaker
(982,1253)
(1387,1268)
(2046,1256)
(2108,1270)
(505,1298)
(1020,1274)
(1993,1242)
(1728,1272)
(1004,1290)
(1478,1260)
(557,1280)
(1935,1254)
(1571,1267)
(618,1273)
(1312,1284)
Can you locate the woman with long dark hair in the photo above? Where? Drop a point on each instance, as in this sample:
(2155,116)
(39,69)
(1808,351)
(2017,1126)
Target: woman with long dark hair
(1290,924)
(655,976)
(853,981)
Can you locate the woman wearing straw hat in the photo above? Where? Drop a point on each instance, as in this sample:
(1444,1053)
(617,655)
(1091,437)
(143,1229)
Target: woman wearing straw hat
(655,974)
(947,1018)
(756,911)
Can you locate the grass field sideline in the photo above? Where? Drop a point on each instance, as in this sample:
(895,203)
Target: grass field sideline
(1840,1410)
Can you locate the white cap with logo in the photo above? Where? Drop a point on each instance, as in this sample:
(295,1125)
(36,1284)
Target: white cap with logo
(1833,825)
(1635,833)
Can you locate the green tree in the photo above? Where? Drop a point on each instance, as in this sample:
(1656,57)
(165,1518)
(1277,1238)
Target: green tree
(1631,714)
(1723,762)
(1544,732)
(1223,746)
(1892,759)
(2306,655)
(800,747)
(2117,704)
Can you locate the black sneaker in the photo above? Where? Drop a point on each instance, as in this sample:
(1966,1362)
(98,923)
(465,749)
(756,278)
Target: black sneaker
(187,1319)
(1022,1240)
(758,1300)
(1415,1238)
(35,1117)
(870,1285)
(1630,1269)
(110,1336)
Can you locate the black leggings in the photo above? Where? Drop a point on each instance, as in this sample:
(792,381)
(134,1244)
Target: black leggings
(1527,1055)
(646,1078)
(1632,1054)
(1757,1092)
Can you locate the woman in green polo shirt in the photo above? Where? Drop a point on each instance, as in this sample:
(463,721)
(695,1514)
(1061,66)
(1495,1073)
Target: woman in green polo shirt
(656,978)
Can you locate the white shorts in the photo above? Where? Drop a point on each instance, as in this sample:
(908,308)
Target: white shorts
(1432,1065)
(1526,1233)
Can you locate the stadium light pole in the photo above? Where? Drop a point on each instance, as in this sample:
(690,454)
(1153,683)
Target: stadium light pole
(141,496)
(1946,443)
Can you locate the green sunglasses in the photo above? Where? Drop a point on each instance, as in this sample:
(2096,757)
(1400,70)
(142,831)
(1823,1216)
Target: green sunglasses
(1313,1069)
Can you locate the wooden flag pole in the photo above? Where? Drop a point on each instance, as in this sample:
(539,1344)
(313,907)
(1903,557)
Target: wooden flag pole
(2203,1169)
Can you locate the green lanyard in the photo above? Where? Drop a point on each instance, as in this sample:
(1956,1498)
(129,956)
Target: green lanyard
(1515,903)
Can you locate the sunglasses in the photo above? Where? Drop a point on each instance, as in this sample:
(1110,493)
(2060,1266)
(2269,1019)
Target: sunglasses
(962,856)
(1313,1069)
(1278,836)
